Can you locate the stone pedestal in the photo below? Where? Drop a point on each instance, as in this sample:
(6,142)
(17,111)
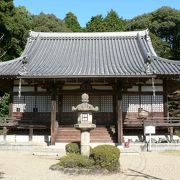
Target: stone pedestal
(85,140)
(85,137)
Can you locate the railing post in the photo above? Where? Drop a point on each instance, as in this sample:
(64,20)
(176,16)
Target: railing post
(30,134)
(171,134)
(4,133)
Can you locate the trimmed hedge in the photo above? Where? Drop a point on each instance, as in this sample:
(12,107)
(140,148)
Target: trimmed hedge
(103,157)
(106,156)
(73,148)
(76,160)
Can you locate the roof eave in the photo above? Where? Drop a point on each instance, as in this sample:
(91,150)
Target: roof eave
(87,76)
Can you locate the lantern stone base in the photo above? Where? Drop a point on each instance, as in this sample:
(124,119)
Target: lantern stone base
(85,137)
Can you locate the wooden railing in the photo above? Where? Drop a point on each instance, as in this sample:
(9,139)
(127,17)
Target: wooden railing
(8,122)
(133,122)
(14,123)
(156,121)
(163,121)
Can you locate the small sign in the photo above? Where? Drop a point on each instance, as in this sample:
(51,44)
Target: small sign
(149,129)
(85,116)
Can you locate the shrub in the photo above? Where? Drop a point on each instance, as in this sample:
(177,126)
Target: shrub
(76,160)
(73,148)
(106,156)
(4,106)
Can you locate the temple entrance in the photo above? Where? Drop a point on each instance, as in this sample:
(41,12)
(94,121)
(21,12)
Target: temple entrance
(103,117)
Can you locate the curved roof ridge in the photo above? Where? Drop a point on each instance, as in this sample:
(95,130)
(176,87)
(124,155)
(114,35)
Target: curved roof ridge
(149,42)
(166,60)
(12,61)
(88,34)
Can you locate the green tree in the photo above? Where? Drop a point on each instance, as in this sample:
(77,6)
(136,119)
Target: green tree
(161,47)
(14,26)
(165,24)
(96,24)
(71,22)
(113,22)
(110,23)
(48,23)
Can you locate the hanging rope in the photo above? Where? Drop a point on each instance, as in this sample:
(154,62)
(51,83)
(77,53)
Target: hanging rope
(19,90)
(153,89)
(154,94)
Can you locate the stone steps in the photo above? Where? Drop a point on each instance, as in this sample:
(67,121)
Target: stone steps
(70,134)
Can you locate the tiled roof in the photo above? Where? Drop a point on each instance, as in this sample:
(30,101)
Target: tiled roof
(114,54)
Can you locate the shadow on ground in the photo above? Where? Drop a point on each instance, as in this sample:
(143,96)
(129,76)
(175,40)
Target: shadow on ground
(1,175)
(132,172)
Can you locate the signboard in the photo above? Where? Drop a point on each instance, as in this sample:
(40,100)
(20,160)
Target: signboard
(149,130)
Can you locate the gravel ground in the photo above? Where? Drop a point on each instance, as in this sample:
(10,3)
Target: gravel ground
(24,166)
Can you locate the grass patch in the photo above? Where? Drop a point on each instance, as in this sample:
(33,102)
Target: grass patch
(172,152)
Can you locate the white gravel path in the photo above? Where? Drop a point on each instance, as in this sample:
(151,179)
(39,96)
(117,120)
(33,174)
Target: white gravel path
(24,166)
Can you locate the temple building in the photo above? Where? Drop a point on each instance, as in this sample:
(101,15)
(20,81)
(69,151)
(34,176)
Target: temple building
(120,71)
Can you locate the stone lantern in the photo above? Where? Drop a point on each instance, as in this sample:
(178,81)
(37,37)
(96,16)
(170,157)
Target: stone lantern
(85,122)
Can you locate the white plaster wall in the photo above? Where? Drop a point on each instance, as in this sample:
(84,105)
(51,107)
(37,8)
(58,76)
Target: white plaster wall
(70,87)
(149,88)
(156,81)
(23,89)
(40,89)
(102,87)
(25,138)
(134,89)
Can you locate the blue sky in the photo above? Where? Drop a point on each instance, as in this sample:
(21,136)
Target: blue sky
(84,10)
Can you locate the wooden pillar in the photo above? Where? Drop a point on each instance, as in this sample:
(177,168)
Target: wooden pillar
(119,113)
(53,117)
(60,107)
(114,109)
(165,99)
(120,122)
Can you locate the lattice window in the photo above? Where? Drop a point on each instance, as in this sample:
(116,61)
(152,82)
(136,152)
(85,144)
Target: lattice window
(125,103)
(43,103)
(147,102)
(32,104)
(69,101)
(95,101)
(19,104)
(133,104)
(157,102)
(105,103)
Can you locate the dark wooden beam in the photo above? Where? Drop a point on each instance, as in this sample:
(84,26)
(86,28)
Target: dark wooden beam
(79,92)
(53,116)
(165,100)
(120,122)
(60,107)
(119,112)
